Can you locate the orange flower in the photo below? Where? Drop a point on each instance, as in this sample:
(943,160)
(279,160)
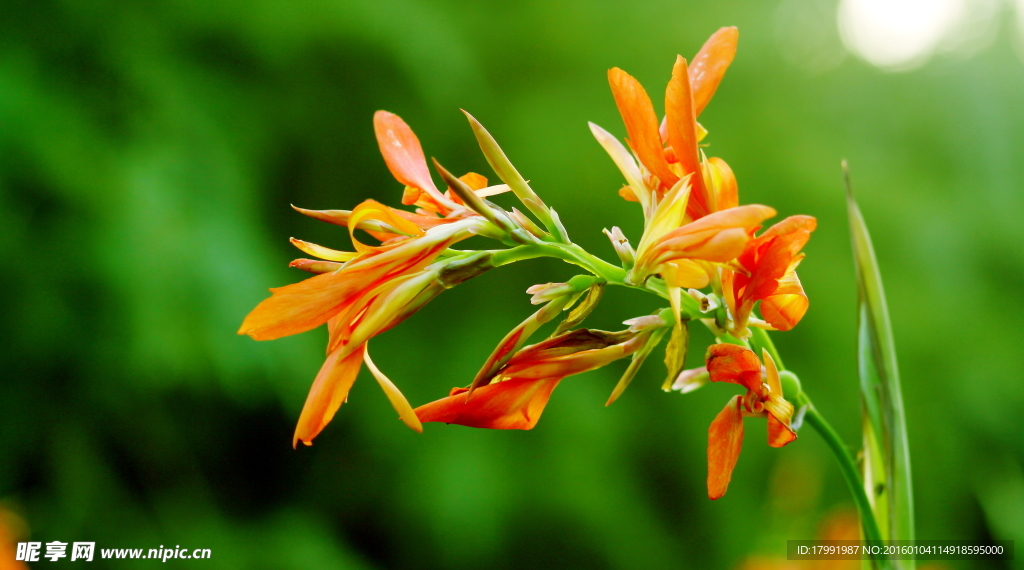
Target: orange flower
(363,293)
(769,263)
(515,398)
(739,365)
(670,152)
(12,528)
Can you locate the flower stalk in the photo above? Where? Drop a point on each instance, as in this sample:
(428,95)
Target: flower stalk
(701,251)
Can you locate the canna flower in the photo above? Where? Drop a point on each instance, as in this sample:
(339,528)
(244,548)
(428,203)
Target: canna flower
(768,264)
(669,153)
(516,396)
(363,293)
(764,398)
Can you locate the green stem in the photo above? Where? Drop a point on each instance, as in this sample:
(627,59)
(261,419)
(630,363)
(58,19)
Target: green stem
(848,467)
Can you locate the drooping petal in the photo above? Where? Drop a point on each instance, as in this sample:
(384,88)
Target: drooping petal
(710,64)
(511,404)
(682,135)
(329,390)
(641,124)
(725,439)
(403,154)
(726,191)
(395,396)
(735,364)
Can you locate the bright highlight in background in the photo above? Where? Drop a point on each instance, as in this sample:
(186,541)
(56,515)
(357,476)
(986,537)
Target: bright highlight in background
(897,34)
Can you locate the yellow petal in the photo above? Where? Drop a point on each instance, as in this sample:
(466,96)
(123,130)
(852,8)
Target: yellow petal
(401,405)
(323,252)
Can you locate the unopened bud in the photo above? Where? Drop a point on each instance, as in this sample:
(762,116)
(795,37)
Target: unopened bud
(463,269)
(708,303)
(690,380)
(544,292)
(622,247)
(527,224)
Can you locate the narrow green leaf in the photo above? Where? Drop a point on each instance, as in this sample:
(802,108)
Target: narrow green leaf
(886,457)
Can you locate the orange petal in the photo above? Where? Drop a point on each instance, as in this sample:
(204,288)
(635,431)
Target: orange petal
(682,136)
(725,438)
(779,434)
(308,304)
(512,404)
(724,181)
(773,254)
(784,308)
(403,154)
(641,124)
(329,390)
(709,65)
(735,364)
(627,194)
(299,307)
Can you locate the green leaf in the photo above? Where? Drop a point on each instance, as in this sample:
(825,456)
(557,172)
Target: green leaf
(886,457)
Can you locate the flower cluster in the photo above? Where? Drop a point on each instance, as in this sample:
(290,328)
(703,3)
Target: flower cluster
(700,250)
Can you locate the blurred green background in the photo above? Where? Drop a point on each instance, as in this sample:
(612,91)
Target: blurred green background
(148,155)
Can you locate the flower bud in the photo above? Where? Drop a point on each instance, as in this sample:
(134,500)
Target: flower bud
(621,245)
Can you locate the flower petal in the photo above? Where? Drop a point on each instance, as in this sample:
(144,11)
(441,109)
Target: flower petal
(710,64)
(784,308)
(403,154)
(323,252)
(511,404)
(682,136)
(627,165)
(735,364)
(329,390)
(725,438)
(398,401)
(315,266)
(641,124)
(374,210)
(726,191)
(779,434)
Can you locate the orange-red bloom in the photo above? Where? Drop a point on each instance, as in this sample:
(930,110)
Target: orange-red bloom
(516,397)
(739,365)
(769,262)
